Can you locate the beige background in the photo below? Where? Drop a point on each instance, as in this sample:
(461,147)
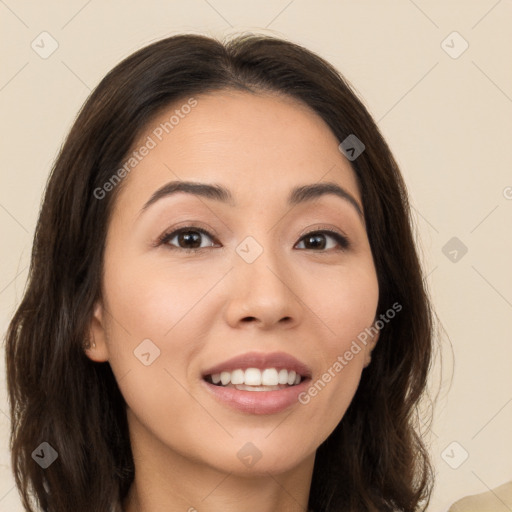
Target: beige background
(448,121)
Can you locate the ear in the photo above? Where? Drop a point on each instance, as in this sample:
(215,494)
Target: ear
(369,348)
(97,349)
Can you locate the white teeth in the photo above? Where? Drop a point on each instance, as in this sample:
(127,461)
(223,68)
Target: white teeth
(237,377)
(269,377)
(252,377)
(255,377)
(243,387)
(283,377)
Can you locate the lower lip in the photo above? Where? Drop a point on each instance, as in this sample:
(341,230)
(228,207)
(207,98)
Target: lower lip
(258,402)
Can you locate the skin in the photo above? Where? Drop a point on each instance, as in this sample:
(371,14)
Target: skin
(203,308)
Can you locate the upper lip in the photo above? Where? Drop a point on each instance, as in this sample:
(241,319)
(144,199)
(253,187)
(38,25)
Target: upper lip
(277,360)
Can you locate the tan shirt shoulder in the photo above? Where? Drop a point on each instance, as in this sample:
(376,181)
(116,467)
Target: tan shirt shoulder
(496,500)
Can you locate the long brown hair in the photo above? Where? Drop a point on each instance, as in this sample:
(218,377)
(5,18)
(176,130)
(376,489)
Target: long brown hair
(375,459)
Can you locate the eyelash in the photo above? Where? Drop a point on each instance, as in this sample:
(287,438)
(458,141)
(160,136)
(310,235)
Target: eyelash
(342,240)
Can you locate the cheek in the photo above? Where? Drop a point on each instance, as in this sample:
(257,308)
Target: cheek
(152,341)
(346,302)
(346,305)
(152,333)
(150,298)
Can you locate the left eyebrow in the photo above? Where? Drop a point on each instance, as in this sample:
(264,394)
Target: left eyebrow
(298,195)
(305,193)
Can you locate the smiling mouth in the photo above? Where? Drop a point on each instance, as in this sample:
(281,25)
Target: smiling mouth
(254,379)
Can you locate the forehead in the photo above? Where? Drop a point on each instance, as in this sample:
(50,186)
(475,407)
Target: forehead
(256,144)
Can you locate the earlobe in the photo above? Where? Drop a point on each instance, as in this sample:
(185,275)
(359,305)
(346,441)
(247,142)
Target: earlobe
(369,349)
(95,346)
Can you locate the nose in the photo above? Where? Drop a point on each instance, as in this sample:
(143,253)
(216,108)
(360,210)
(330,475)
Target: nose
(264,293)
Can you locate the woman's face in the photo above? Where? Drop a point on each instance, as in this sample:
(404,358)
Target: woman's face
(267,286)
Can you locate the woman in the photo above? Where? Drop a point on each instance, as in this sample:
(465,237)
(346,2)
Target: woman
(225,307)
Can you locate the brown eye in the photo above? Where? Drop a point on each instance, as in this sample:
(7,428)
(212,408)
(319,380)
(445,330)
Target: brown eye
(187,239)
(316,240)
